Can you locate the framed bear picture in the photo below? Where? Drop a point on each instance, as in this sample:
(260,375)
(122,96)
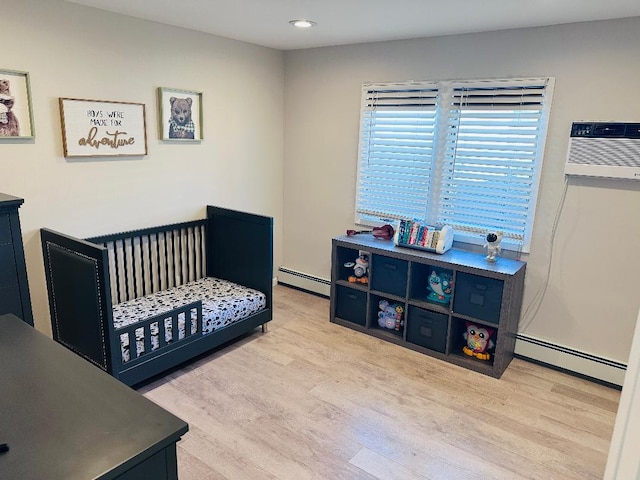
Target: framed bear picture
(180,114)
(16,117)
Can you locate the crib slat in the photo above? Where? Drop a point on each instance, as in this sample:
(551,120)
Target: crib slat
(125,270)
(166,260)
(146,332)
(134,269)
(158,265)
(117,267)
(143,279)
(188,255)
(161,333)
(178,260)
(149,258)
(173,253)
(200,249)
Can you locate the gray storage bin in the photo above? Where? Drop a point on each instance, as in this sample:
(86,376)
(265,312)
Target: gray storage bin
(389,275)
(351,305)
(427,328)
(478,297)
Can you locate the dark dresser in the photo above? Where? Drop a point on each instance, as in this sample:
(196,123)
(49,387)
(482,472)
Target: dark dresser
(14,289)
(65,419)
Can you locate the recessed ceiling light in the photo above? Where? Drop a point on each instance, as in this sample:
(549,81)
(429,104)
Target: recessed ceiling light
(302,23)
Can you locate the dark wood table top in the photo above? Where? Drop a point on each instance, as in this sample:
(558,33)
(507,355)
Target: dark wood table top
(63,418)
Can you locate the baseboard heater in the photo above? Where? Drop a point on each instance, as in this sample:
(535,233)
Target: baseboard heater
(304,281)
(565,358)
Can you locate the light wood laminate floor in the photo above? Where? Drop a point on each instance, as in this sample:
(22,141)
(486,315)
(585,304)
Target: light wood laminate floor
(313,400)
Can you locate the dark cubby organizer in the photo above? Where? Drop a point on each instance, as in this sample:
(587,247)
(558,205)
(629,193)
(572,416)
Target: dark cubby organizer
(465,289)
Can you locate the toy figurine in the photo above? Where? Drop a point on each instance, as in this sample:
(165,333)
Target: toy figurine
(360,269)
(478,341)
(439,286)
(390,315)
(493,245)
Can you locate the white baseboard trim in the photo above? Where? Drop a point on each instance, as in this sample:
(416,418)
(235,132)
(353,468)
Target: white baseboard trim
(583,363)
(311,283)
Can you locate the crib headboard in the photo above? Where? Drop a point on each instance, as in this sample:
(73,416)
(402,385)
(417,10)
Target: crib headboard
(240,248)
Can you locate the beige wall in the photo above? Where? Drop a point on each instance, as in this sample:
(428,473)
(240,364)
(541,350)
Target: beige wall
(254,97)
(79,52)
(594,287)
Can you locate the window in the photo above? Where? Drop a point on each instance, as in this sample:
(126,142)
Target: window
(463,153)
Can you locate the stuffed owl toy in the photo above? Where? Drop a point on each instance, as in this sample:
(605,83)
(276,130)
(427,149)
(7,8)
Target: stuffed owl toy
(479,341)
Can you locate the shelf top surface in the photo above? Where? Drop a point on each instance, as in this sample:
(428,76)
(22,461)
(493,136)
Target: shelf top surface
(454,256)
(10,200)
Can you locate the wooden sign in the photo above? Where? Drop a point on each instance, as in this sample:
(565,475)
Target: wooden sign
(94,128)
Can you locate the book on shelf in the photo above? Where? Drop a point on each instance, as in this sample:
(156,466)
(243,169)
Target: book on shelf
(413,233)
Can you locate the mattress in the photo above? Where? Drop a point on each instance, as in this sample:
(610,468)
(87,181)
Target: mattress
(223,303)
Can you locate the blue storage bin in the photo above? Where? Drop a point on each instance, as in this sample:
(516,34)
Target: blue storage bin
(389,275)
(478,297)
(351,305)
(426,328)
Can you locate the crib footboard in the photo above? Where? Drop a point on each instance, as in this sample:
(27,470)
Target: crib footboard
(76,273)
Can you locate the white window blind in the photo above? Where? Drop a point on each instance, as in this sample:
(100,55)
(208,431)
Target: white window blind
(469,157)
(396,150)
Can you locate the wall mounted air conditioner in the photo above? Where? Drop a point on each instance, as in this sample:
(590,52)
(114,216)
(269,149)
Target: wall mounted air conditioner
(604,149)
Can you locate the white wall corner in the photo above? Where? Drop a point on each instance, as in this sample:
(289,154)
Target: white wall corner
(624,461)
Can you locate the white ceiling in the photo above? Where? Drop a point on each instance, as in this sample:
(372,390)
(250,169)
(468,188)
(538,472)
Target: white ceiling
(339,22)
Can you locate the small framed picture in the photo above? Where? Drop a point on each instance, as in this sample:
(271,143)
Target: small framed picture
(102,128)
(16,117)
(180,114)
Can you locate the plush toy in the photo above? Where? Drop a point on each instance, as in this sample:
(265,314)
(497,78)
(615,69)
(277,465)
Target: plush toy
(390,315)
(360,269)
(478,341)
(493,245)
(439,285)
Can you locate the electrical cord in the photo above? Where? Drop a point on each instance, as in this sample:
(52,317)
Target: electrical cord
(539,296)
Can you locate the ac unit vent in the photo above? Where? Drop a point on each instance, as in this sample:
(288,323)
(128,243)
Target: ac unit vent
(609,150)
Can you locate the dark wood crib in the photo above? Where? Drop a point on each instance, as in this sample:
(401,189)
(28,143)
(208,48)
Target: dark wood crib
(87,278)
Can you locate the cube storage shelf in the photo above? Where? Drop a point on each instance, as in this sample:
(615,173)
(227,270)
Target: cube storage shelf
(488,295)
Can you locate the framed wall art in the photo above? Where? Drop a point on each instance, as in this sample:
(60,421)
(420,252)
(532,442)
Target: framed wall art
(97,128)
(16,117)
(180,114)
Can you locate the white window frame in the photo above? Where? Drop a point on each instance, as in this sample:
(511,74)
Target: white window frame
(441,161)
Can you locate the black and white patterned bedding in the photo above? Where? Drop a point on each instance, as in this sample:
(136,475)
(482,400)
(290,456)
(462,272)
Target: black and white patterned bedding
(223,303)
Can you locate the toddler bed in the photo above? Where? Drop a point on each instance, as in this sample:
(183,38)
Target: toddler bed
(138,303)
